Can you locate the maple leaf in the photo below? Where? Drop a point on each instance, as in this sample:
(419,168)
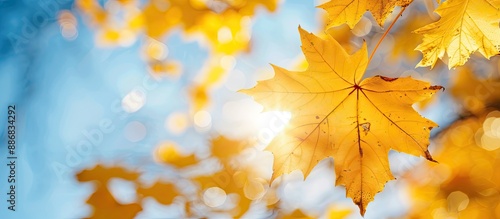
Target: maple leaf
(103,202)
(336,114)
(351,11)
(465,27)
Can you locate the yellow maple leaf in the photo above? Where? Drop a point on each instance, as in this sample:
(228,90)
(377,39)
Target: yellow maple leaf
(103,203)
(465,26)
(351,11)
(336,114)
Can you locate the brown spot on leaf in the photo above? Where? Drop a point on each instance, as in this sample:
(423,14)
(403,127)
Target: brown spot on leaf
(366,127)
(387,78)
(435,87)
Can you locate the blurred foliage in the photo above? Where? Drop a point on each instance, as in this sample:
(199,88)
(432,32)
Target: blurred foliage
(223,24)
(476,94)
(465,183)
(230,189)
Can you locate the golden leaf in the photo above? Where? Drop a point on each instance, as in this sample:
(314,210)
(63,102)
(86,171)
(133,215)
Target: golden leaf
(351,11)
(104,204)
(465,26)
(336,114)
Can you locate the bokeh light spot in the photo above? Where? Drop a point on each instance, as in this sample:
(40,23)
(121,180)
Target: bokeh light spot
(363,27)
(457,201)
(68,25)
(214,197)
(228,62)
(202,119)
(155,49)
(177,122)
(134,101)
(224,35)
(135,131)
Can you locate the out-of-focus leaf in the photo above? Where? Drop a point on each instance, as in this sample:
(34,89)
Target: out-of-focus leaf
(104,204)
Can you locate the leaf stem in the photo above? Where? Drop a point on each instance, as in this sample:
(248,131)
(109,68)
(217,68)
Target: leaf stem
(385,34)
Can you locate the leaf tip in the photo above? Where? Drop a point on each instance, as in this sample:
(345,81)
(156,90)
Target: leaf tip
(362,209)
(428,156)
(301,30)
